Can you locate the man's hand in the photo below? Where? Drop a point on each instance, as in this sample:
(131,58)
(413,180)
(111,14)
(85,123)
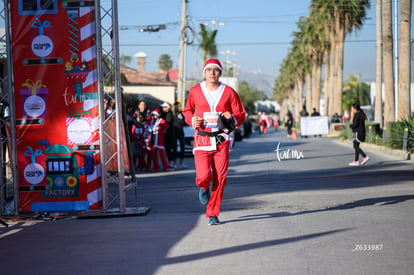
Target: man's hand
(197,121)
(226,115)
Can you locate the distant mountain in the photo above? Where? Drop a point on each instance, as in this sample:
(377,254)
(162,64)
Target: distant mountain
(260,81)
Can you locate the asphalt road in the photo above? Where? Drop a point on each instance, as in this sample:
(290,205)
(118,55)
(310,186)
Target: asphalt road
(297,210)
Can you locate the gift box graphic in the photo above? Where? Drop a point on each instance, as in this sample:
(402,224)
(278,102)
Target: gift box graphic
(34,173)
(79,128)
(34,99)
(42,45)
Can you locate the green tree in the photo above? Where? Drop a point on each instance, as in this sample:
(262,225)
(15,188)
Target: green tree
(165,63)
(109,72)
(249,96)
(355,91)
(125,59)
(208,43)
(289,84)
(342,16)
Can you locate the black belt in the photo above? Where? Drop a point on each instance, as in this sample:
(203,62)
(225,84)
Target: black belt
(209,134)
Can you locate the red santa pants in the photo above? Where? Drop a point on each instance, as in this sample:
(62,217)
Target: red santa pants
(212,165)
(154,157)
(145,159)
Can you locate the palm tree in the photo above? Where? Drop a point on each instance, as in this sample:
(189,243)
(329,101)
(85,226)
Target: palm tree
(404,102)
(282,83)
(282,88)
(319,48)
(303,39)
(322,9)
(355,91)
(378,76)
(109,72)
(208,44)
(323,57)
(289,84)
(314,39)
(327,97)
(343,16)
(389,101)
(299,65)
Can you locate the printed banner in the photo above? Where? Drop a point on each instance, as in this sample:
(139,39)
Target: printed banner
(314,125)
(57,114)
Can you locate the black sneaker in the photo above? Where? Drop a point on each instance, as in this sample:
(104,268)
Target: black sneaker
(204,196)
(213,220)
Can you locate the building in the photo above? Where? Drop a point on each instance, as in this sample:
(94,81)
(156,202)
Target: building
(161,85)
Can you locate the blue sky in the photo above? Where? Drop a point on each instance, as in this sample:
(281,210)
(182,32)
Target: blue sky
(258,33)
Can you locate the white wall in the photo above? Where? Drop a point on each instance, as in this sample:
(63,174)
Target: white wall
(3,53)
(163,93)
(230,81)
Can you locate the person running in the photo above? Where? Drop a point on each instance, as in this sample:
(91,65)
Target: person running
(213,109)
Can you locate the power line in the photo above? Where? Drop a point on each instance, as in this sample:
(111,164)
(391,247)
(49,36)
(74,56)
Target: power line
(148,28)
(235,43)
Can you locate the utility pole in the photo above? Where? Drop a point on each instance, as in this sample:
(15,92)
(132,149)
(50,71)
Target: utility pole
(228,62)
(182,57)
(213,24)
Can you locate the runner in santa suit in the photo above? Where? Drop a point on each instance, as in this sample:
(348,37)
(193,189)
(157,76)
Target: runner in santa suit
(206,102)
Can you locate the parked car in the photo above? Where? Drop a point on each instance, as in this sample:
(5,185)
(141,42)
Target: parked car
(189,140)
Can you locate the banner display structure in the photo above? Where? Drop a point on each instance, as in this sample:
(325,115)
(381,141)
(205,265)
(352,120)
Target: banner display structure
(57,114)
(314,125)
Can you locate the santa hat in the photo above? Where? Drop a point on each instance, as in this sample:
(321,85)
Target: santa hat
(165,104)
(156,112)
(212,63)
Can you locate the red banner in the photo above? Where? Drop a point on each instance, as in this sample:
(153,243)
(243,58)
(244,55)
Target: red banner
(57,114)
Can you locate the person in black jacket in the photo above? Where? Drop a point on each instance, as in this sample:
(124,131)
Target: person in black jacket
(358,130)
(289,123)
(179,124)
(144,111)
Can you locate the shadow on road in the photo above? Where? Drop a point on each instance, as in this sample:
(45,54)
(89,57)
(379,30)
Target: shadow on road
(351,205)
(246,247)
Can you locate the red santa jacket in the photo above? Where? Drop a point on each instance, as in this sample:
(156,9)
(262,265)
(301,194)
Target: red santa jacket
(200,104)
(157,132)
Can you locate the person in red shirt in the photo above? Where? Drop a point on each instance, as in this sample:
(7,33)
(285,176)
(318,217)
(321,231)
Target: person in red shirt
(157,129)
(213,109)
(264,123)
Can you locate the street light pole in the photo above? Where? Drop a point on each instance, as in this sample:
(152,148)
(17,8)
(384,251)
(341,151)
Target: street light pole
(213,24)
(182,57)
